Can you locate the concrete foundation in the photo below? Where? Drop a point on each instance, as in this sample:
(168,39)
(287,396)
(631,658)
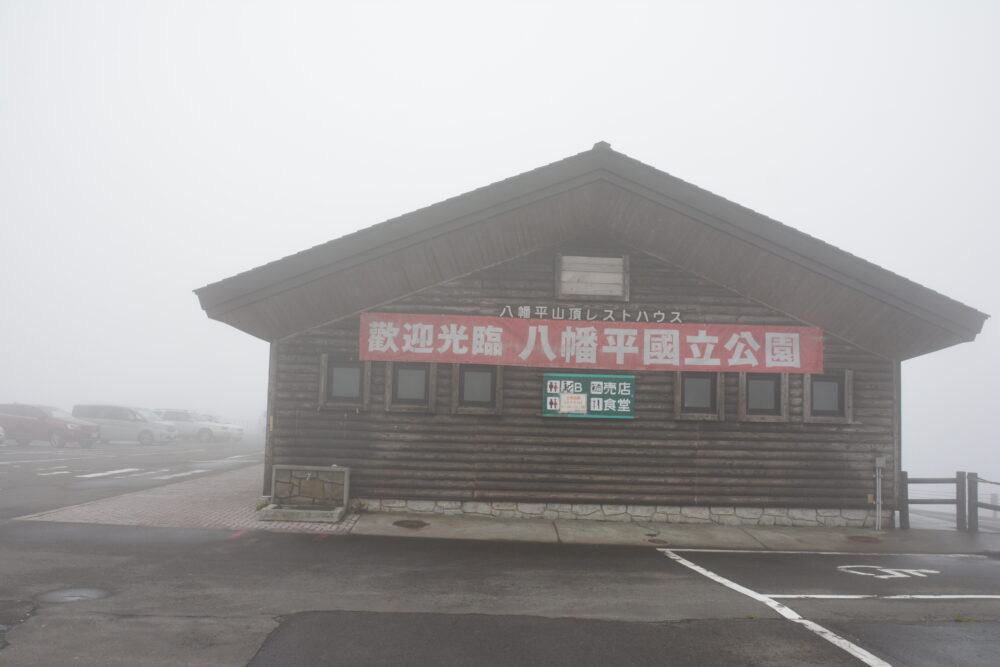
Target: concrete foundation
(726,516)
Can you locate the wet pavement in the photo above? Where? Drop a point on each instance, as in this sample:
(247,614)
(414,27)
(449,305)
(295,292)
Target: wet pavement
(39,477)
(380,639)
(192,577)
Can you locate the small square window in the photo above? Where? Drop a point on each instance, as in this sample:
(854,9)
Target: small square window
(476,389)
(409,383)
(698,392)
(344,381)
(699,396)
(763,394)
(410,386)
(476,386)
(763,397)
(829,398)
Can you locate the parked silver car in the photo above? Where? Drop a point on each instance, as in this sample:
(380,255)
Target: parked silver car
(234,432)
(120,422)
(193,425)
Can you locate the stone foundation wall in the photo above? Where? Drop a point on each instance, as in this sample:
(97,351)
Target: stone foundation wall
(305,486)
(727,516)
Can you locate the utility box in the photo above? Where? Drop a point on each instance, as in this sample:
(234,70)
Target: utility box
(307,493)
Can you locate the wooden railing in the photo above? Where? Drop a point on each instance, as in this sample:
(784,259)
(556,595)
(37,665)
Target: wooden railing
(975,504)
(966,500)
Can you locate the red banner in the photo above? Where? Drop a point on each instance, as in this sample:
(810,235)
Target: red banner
(581,345)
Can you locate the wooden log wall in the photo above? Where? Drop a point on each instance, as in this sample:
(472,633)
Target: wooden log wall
(520,456)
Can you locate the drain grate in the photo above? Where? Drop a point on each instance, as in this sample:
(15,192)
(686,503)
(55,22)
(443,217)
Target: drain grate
(73,595)
(412,524)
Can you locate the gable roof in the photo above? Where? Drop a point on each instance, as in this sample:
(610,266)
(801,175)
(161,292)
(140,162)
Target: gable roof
(597,192)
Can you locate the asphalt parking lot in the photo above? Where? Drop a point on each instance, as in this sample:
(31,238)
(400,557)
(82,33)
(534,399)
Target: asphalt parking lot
(905,609)
(39,477)
(835,608)
(188,579)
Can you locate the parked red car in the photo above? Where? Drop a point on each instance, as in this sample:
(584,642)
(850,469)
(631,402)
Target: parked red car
(27,423)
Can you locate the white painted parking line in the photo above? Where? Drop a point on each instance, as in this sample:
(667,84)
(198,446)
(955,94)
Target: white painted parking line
(148,472)
(885,572)
(7,463)
(240,456)
(180,474)
(822,596)
(821,553)
(109,472)
(787,612)
(57,472)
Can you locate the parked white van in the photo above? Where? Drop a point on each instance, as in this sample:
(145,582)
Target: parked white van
(119,422)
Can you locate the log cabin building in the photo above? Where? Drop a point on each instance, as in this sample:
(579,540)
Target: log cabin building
(591,339)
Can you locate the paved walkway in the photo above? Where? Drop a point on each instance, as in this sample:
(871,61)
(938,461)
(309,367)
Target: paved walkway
(226,501)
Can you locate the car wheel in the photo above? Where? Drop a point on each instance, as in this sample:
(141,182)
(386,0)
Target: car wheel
(204,435)
(57,439)
(146,438)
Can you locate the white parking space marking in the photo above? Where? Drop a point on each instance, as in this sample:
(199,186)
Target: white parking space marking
(820,553)
(7,463)
(180,474)
(240,456)
(823,596)
(787,612)
(885,572)
(109,472)
(57,472)
(148,472)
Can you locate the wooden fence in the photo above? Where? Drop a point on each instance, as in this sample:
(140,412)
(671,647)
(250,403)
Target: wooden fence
(966,500)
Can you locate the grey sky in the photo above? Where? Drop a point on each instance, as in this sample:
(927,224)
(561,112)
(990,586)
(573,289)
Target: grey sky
(149,148)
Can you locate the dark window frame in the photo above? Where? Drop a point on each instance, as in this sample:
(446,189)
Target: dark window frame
(393,404)
(459,406)
(624,297)
(327,363)
(745,413)
(716,413)
(846,415)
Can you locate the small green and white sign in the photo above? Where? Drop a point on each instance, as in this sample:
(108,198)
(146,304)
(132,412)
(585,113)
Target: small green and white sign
(587,395)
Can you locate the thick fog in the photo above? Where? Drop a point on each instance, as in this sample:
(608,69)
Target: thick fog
(150,148)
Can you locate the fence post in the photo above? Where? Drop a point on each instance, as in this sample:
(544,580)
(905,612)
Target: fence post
(904,499)
(960,502)
(973,497)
